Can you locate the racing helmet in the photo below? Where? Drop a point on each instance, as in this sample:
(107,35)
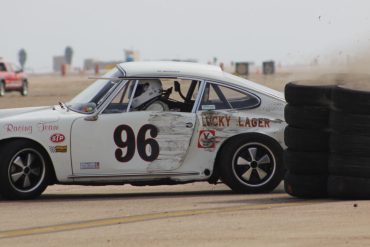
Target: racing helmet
(145,91)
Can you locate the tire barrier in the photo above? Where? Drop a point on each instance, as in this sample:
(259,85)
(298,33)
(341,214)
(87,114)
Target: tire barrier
(339,118)
(348,187)
(354,101)
(306,93)
(307,117)
(306,163)
(349,165)
(306,186)
(307,138)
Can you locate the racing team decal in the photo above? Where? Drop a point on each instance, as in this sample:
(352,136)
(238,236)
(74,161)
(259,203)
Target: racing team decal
(47,126)
(57,137)
(206,139)
(15,128)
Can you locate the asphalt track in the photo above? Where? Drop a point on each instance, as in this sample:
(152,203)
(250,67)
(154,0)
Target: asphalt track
(196,214)
(139,218)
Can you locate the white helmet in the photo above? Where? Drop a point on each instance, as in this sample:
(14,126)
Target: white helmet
(145,91)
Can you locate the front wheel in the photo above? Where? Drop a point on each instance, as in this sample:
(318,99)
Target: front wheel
(252,164)
(24,170)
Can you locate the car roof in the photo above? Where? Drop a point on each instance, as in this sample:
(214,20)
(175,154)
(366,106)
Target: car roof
(191,70)
(170,69)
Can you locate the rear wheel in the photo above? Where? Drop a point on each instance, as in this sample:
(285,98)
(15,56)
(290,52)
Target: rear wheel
(2,88)
(24,170)
(251,164)
(24,90)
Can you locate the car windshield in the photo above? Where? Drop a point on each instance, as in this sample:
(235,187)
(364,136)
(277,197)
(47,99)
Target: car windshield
(94,95)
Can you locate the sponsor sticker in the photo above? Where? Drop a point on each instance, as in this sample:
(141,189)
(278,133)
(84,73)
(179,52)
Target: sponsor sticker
(208,107)
(89,165)
(58,149)
(206,139)
(57,137)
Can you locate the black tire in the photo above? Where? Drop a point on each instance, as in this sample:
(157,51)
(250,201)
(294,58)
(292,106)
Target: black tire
(353,166)
(351,145)
(308,93)
(24,170)
(2,88)
(353,101)
(306,140)
(251,163)
(348,187)
(306,163)
(24,90)
(350,124)
(307,117)
(306,186)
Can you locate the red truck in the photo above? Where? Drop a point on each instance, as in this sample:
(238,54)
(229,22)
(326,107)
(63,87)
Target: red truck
(12,78)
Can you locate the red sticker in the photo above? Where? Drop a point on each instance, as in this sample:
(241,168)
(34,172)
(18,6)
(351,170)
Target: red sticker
(206,139)
(57,137)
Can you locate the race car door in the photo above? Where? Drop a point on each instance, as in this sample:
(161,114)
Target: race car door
(138,142)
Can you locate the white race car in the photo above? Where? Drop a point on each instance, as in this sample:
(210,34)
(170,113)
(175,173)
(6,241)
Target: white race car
(148,123)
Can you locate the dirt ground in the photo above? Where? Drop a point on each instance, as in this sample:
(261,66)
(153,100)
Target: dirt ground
(196,214)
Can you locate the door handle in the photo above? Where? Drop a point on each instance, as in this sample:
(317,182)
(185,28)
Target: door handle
(189,125)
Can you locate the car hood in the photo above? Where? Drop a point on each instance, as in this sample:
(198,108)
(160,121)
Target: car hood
(9,113)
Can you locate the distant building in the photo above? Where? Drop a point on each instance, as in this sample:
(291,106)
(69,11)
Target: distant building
(242,68)
(58,61)
(89,64)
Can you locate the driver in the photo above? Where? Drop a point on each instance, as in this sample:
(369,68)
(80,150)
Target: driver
(147,96)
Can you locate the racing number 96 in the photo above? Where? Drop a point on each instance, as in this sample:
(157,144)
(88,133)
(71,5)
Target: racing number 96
(129,143)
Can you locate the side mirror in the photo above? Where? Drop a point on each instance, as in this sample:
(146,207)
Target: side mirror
(93,117)
(19,71)
(177,86)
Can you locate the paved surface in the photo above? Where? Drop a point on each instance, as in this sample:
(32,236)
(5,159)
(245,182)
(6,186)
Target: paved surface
(196,214)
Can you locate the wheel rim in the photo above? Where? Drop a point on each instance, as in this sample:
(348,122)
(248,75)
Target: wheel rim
(26,170)
(254,164)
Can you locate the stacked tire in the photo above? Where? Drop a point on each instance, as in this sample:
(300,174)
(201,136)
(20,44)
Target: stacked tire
(307,138)
(349,165)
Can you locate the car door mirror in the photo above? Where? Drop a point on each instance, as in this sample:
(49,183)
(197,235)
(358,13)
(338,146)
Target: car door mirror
(93,117)
(19,71)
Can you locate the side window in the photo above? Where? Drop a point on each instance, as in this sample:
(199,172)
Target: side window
(120,102)
(214,99)
(217,97)
(165,94)
(183,94)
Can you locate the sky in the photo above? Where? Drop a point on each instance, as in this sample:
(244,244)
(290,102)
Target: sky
(287,31)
